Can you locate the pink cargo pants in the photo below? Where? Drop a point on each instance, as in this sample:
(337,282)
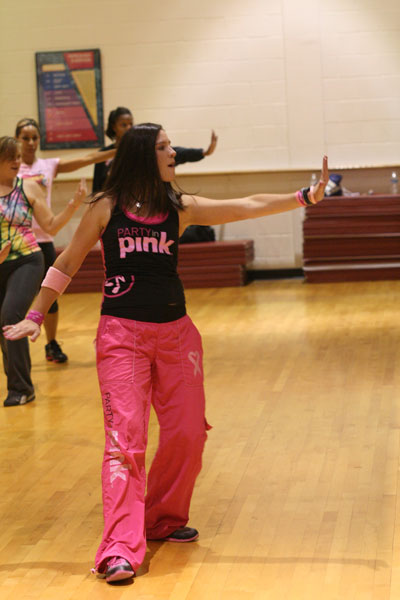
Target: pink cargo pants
(138,364)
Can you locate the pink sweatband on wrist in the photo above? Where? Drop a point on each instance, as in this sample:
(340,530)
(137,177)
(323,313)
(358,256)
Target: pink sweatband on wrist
(299,198)
(35,316)
(56,280)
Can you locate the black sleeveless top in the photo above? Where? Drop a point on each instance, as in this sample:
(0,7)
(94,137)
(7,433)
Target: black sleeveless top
(140,258)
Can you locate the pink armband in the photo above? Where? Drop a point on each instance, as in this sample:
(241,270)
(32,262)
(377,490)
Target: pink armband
(56,280)
(35,316)
(299,198)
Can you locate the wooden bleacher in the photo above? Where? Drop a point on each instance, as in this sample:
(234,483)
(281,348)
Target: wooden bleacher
(203,264)
(352,239)
(215,264)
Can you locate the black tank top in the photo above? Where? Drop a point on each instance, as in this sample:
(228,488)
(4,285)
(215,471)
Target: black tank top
(140,260)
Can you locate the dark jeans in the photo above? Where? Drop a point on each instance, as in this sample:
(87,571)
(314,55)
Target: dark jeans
(19,283)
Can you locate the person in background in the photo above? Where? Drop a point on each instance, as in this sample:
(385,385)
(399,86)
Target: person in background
(45,170)
(148,349)
(119,121)
(22,268)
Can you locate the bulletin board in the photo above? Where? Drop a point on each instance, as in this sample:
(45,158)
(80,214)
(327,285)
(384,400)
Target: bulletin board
(70,99)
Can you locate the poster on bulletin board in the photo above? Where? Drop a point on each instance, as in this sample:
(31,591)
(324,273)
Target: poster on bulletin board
(70,99)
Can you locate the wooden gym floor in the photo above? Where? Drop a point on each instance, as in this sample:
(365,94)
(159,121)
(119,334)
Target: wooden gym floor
(299,495)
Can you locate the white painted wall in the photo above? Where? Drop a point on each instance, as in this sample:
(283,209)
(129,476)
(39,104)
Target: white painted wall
(281,81)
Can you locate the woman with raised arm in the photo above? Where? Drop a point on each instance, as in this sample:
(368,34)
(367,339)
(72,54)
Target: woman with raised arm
(22,268)
(148,350)
(120,120)
(45,170)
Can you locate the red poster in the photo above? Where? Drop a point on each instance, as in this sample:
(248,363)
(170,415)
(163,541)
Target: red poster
(70,100)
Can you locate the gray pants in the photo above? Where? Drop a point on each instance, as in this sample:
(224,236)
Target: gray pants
(19,283)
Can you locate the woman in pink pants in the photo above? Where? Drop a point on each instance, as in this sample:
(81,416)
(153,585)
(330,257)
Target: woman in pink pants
(148,350)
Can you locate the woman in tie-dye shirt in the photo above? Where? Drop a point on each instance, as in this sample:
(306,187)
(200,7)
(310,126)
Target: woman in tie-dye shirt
(28,134)
(22,270)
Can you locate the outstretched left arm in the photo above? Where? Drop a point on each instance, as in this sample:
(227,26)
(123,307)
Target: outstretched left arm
(67,165)
(206,211)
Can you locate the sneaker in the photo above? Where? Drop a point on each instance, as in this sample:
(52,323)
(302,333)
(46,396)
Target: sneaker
(183,534)
(17,398)
(54,352)
(117,569)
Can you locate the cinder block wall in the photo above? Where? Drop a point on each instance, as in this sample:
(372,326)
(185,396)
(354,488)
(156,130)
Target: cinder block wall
(281,81)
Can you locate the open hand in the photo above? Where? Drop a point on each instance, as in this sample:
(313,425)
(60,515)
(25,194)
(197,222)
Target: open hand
(22,329)
(317,192)
(213,143)
(80,194)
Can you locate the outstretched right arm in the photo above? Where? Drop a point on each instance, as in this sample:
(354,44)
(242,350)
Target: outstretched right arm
(67,264)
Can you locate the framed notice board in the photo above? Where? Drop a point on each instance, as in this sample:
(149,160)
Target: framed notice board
(70,99)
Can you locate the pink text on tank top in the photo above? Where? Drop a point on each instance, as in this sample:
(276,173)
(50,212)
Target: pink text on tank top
(142,239)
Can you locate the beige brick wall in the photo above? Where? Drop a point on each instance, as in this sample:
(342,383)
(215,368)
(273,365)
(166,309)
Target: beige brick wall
(281,81)
(278,239)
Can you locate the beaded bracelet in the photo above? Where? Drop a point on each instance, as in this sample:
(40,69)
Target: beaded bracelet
(35,316)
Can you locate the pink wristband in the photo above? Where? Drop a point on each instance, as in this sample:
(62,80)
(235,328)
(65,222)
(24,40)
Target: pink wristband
(35,316)
(300,199)
(56,280)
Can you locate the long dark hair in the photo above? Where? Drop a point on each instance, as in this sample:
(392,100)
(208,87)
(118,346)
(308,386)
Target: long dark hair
(112,119)
(134,176)
(24,123)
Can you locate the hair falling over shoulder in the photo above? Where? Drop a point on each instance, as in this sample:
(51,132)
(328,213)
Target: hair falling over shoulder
(134,178)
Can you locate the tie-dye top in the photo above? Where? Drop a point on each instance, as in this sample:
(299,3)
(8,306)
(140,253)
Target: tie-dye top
(16,223)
